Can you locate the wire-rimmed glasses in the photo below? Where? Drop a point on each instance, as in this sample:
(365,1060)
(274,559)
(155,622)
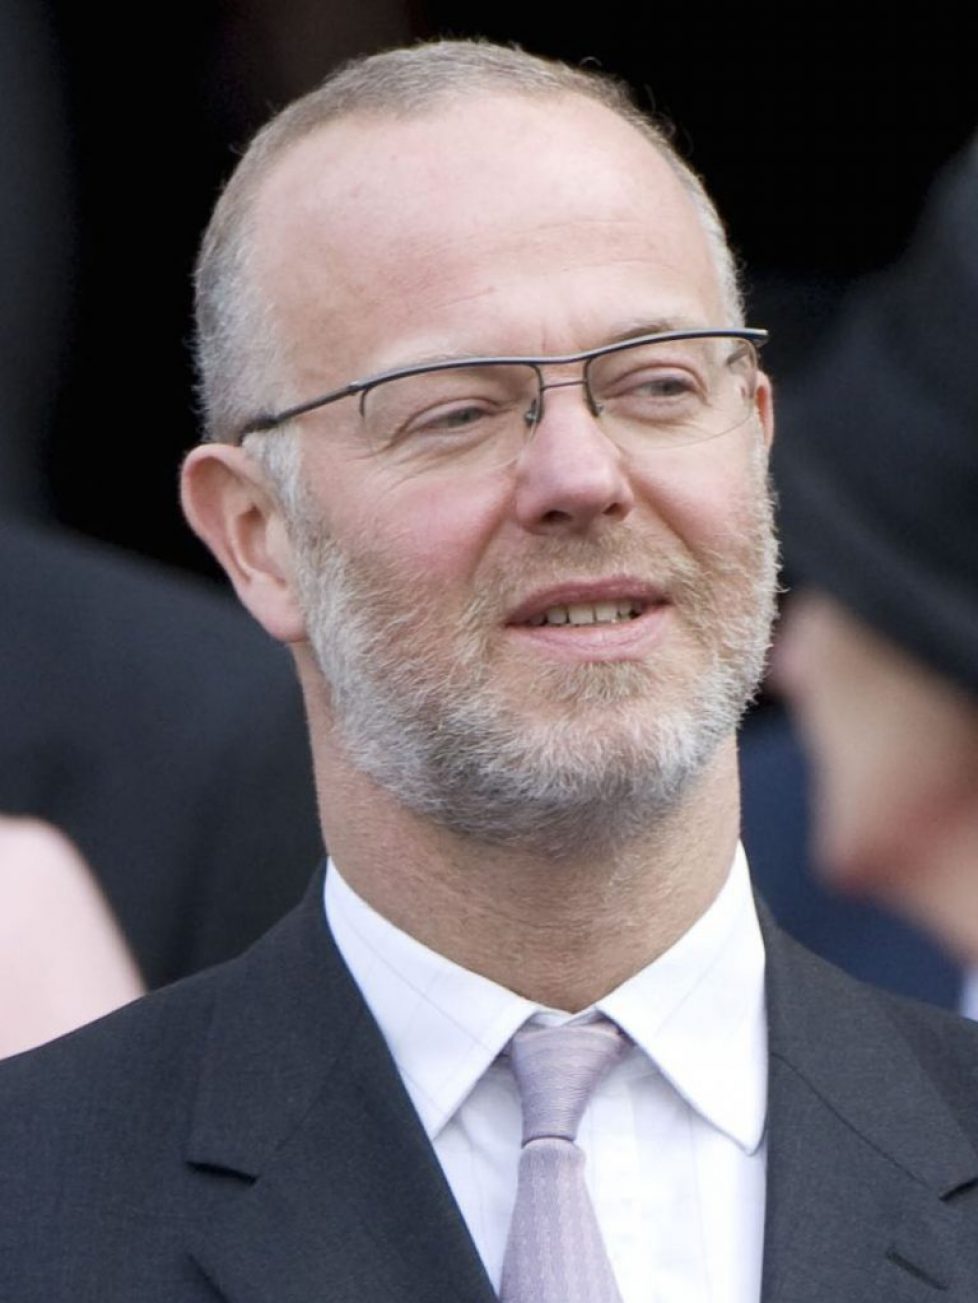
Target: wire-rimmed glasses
(653,391)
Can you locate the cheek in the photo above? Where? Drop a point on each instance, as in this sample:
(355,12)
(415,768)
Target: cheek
(708,494)
(432,527)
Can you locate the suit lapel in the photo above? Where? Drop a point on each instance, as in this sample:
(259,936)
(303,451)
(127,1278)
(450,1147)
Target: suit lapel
(315,1179)
(322,1182)
(864,1155)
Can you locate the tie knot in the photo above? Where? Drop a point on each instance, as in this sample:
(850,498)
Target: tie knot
(557,1069)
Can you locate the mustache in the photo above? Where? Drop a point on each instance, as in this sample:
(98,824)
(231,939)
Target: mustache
(667,566)
(664,566)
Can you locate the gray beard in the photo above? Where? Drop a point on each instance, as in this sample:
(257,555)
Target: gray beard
(443,741)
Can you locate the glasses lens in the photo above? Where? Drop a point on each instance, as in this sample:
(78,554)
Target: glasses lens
(675,392)
(476,412)
(667,393)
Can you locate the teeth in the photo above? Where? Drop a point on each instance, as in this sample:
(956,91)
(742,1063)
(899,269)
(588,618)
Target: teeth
(579,613)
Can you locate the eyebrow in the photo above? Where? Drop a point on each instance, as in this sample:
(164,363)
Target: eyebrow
(657,326)
(636,328)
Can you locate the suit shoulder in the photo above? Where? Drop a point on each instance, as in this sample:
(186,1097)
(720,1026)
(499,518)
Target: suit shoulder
(946,1043)
(844,1035)
(916,1019)
(127,1053)
(93,1132)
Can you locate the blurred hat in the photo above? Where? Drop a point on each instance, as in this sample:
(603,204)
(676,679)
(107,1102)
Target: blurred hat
(876,459)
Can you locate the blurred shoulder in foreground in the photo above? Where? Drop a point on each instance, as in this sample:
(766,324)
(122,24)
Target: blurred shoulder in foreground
(163,733)
(63,960)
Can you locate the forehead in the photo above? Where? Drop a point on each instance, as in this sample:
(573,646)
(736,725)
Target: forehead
(496,222)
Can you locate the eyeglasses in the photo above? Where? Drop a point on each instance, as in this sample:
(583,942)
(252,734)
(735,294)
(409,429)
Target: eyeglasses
(654,391)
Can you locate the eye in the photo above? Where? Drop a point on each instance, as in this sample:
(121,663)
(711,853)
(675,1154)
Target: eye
(461,405)
(444,428)
(461,415)
(662,380)
(653,389)
(659,384)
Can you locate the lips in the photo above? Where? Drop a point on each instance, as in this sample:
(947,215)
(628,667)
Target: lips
(610,602)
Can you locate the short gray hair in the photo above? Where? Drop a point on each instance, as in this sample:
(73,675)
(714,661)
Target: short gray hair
(238,347)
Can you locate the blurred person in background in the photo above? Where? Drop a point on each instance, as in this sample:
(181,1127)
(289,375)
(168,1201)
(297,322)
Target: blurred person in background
(142,714)
(155,726)
(878,475)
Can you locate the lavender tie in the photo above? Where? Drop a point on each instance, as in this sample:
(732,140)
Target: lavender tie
(555,1253)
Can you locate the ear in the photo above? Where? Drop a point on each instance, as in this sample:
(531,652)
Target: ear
(232,509)
(764,397)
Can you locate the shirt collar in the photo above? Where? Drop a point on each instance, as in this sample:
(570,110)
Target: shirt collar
(697,1011)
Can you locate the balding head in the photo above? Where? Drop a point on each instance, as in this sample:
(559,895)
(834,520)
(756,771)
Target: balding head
(240,348)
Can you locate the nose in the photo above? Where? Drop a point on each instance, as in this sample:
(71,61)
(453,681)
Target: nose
(570,474)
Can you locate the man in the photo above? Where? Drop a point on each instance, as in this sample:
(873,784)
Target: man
(526,571)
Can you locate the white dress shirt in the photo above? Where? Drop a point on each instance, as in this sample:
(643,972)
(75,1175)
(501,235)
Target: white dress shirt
(674,1135)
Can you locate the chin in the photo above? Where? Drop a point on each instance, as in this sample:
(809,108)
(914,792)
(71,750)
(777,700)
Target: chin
(607,685)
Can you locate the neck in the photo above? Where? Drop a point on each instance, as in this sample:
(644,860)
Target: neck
(561,932)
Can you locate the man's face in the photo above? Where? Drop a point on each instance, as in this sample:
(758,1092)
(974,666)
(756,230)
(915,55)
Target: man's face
(560,641)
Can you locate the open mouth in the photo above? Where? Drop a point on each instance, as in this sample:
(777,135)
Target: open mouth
(584,613)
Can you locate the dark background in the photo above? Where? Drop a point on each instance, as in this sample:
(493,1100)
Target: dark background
(817,129)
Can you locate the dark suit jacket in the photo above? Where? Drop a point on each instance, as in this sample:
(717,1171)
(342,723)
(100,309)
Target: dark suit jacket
(162,730)
(244,1136)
